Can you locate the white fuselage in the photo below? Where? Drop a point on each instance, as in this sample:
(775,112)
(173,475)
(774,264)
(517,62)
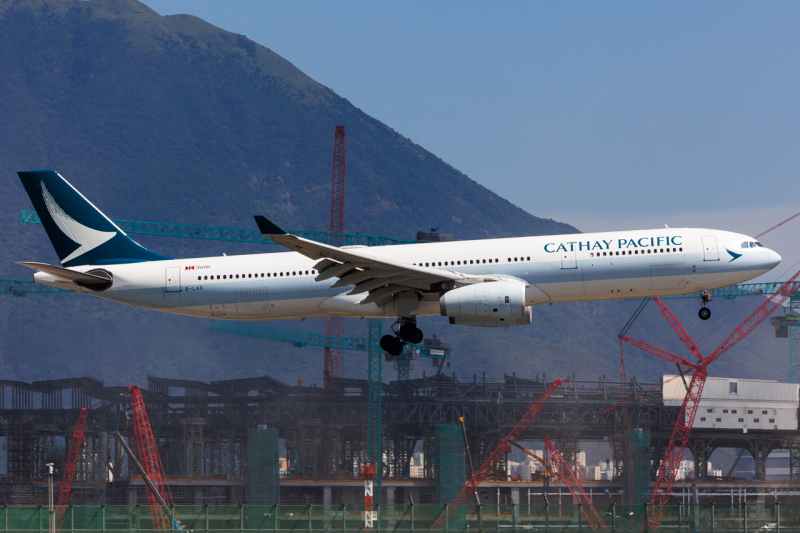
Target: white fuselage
(588,266)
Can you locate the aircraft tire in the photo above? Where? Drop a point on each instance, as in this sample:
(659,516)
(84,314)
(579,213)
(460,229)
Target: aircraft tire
(704,313)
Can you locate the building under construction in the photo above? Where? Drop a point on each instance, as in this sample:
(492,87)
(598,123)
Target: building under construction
(216,440)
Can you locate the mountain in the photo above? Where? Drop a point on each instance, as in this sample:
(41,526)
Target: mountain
(171,119)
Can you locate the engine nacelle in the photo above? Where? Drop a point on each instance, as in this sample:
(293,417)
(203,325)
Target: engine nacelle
(487,301)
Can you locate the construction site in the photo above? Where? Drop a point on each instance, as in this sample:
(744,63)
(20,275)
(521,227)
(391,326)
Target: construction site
(391,452)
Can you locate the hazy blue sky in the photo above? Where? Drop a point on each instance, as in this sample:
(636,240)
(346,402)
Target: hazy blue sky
(604,115)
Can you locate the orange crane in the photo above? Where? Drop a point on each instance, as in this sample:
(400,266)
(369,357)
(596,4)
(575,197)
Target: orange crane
(70,467)
(491,461)
(158,496)
(574,486)
(673,455)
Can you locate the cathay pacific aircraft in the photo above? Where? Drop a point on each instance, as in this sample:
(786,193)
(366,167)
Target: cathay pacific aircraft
(486,283)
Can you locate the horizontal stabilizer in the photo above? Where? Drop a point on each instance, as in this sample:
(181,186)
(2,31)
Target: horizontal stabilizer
(266,227)
(98,280)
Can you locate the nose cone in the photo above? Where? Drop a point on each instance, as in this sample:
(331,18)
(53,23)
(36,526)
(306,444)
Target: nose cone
(773,259)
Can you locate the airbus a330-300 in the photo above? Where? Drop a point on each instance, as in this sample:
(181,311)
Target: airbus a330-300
(486,283)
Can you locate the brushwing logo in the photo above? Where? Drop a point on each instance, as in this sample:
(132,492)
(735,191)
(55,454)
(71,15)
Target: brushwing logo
(86,238)
(734,255)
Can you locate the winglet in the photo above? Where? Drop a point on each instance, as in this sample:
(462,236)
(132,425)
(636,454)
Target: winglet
(267,227)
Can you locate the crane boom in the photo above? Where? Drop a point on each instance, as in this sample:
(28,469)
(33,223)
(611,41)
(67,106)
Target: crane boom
(574,486)
(491,461)
(70,467)
(673,455)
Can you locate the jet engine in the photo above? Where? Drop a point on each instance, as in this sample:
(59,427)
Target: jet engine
(499,300)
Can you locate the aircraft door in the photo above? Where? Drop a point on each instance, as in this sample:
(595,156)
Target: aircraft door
(710,251)
(568,260)
(172,279)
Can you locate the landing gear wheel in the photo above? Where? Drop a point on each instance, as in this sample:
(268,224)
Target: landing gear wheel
(704,313)
(409,332)
(391,345)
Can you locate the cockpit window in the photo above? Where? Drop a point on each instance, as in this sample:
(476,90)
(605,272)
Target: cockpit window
(752,245)
(759,245)
(745,245)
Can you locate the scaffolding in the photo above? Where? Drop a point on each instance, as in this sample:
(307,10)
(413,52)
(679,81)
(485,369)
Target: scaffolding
(263,474)
(450,467)
(637,485)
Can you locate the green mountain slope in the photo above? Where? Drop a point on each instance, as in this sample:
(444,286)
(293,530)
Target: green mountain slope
(173,119)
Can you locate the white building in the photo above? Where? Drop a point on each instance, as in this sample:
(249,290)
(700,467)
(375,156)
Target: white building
(743,404)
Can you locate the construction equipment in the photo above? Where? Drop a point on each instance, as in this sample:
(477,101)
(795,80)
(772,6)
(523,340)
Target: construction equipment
(574,487)
(333,326)
(668,469)
(150,464)
(189,231)
(432,349)
(69,468)
(489,464)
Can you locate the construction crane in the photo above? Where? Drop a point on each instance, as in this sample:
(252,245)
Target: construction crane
(69,468)
(574,486)
(158,496)
(541,460)
(431,348)
(333,326)
(489,464)
(668,469)
(188,231)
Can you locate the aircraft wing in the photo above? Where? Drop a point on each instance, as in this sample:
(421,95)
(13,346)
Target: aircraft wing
(380,278)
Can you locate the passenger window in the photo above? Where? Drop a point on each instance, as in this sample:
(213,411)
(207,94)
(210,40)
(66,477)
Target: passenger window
(515,259)
(459,262)
(199,278)
(470,261)
(484,260)
(680,249)
(490,260)
(217,276)
(306,272)
(426,264)
(604,254)
(268,275)
(662,250)
(224,277)
(294,273)
(617,253)
(509,259)
(440,263)
(529,259)
(249,275)
(281,274)
(648,251)
(591,255)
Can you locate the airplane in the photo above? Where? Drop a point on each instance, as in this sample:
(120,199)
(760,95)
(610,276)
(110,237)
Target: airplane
(483,283)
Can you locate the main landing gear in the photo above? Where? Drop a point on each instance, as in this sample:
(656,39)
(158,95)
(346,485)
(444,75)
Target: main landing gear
(705,313)
(407,332)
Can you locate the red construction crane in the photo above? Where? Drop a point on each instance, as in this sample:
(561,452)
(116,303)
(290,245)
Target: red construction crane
(668,469)
(333,327)
(574,486)
(337,187)
(150,461)
(69,468)
(488,465)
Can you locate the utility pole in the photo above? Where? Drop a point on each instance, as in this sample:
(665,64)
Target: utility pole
(51,508)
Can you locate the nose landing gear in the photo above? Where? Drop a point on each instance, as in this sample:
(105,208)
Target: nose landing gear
(705,313)
(408,332)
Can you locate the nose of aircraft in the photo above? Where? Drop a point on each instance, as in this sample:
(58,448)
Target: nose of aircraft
(773,259)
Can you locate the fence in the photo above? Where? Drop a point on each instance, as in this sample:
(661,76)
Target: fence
(400,518)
